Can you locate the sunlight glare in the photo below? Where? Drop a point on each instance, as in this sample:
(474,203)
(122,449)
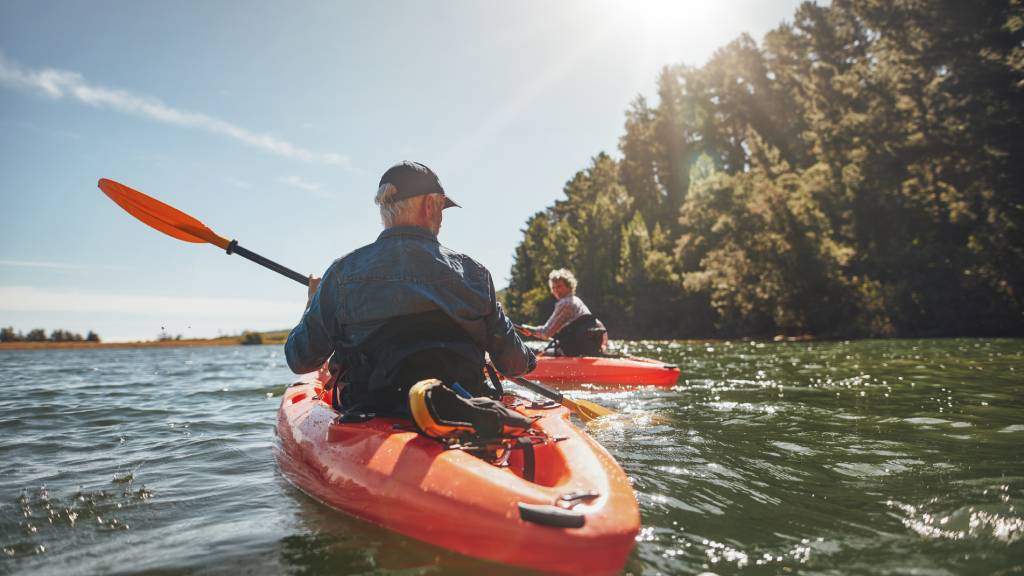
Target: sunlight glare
(663,22)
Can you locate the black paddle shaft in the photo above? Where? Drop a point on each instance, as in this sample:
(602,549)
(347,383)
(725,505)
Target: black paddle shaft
(535,386)
(234,248)
(539,388)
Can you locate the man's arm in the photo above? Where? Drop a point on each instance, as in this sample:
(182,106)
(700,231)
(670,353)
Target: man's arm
(506,348)
(311,343)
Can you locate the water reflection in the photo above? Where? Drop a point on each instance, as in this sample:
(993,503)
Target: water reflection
(326,541)
(839,457)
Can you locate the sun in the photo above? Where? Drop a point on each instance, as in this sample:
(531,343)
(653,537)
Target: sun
(663,22)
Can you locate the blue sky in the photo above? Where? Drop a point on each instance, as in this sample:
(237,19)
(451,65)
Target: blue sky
(271,122)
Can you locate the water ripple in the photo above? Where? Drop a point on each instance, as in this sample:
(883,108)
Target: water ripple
(868,457)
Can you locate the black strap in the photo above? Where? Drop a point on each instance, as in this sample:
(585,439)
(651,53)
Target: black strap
(553,345)
(529,462)
(337,369)
(495,381)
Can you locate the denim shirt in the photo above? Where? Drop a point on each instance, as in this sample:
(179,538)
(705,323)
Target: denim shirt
(405,271)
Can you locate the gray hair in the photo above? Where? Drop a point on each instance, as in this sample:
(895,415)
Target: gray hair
(391,210)
(565,276)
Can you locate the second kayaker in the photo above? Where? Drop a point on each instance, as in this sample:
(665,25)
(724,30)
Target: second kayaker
(574,329)
(404,309)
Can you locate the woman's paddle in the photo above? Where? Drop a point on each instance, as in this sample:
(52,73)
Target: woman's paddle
(177,224)
(585,409)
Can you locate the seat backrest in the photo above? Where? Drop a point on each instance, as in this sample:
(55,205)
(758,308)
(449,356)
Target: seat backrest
(581,337)
(404,351)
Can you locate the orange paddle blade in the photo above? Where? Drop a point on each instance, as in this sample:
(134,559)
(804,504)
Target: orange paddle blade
(164,218)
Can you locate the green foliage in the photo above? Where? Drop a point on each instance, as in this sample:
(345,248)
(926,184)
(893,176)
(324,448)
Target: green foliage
(39,335)
(857,174)
(64,336)
(275,336)
(249,338)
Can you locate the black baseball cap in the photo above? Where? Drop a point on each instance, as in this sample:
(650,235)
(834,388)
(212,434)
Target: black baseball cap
(414,179)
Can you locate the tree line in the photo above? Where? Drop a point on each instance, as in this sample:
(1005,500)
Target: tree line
(39,335)
(856,174)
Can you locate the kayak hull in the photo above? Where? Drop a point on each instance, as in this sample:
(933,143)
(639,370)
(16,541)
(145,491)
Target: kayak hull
(604,371)
(384,472)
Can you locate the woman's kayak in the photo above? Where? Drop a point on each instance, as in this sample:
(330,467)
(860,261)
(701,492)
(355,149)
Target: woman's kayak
(604,370)
(555,502)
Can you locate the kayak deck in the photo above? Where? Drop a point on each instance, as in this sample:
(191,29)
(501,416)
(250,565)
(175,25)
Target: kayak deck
(604,370)
(562,505)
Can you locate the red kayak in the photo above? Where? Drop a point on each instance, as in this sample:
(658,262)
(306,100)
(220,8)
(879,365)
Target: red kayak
(604,370)
(555,501)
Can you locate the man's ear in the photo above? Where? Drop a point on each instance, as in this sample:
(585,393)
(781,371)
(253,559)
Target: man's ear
(436,204)
(426,207)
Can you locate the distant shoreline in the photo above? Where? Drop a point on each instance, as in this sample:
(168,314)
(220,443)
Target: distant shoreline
(276,338)
(148,344)
(269,338)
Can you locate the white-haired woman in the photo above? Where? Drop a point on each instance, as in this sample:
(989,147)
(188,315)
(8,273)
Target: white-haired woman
(577,331)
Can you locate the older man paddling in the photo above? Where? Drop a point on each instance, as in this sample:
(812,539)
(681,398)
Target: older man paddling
(404,309)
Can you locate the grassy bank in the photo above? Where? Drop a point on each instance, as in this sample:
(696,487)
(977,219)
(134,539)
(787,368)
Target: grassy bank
(276,337)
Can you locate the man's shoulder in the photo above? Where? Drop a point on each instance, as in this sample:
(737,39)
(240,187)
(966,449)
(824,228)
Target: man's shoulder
(468,261)
(340,263)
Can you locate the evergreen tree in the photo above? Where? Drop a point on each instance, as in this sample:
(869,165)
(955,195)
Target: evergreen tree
(855,175)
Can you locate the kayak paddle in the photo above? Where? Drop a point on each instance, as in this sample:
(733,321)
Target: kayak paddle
(177,224)
(585,409)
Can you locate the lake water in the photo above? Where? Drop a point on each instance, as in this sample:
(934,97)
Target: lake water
(872,457)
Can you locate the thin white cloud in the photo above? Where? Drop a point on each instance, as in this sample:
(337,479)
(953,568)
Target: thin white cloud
(42,300)
(40,264)
(58,84)
(311,187)
(57,265)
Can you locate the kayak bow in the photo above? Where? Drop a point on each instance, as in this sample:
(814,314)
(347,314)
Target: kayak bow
(557,505)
